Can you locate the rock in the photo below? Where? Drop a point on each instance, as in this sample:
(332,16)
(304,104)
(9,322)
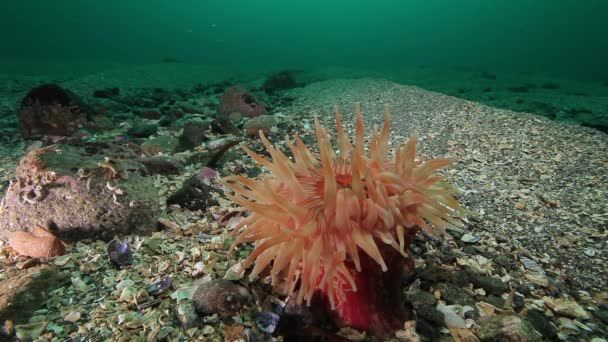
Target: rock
(163,165)
(106,93)
(192,135)
(506,327)
(51,110)
(419,297)
(280,81)
(219,296)
(23,291)
(159,144)
(194,194)
(455,295)
(602,315)
(431,314)
(152,114)
(262,123)
(570,308)
(491,285)
(238,99)
(77,194)
(542,324)
(142,131)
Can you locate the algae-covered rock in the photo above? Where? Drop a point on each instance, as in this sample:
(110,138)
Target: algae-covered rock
(79,193)
(506,327)
(51,110)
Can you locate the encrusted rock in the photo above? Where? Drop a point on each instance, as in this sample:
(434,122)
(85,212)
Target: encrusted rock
(262,123)
(194,194)
(219,296)
(238,99)
(506,327)
(51,110)
(80,193)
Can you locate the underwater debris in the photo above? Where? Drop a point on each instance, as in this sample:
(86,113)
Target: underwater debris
(160,286)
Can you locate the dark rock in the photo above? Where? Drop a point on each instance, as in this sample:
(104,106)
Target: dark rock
(80,194)
(238,99)
(542,324)
(525,288)
(149,114)
(165,121)
(491,285)
(223,125)
(106,93)
(428,330)
(280,81)
(51,110)
(472,250)
(506,327)
(194,195)
(435,274)
(455,295)
(142,131)
(496,301)
(418,297)
(602,127)
(461,278)
(601,314)
(219,296)
(431,314)
(266,321)
(503,261)
(518,302)
(163,165)
(192,135)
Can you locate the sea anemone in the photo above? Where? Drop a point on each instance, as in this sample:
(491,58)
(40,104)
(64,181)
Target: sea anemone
(324,219)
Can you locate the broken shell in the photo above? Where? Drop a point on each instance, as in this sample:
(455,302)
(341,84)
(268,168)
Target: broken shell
(470,238)
(266,321)
(160,286)
(186,314)
(39,243)
(120,253)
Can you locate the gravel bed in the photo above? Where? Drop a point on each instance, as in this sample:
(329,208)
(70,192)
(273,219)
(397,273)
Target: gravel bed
(535,183)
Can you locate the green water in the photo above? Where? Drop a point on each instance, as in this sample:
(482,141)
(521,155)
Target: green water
(445,46)
(564,37)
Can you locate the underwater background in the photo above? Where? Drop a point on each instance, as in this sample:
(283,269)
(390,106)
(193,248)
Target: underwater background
(564,38)
(132,131)
(441,46)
